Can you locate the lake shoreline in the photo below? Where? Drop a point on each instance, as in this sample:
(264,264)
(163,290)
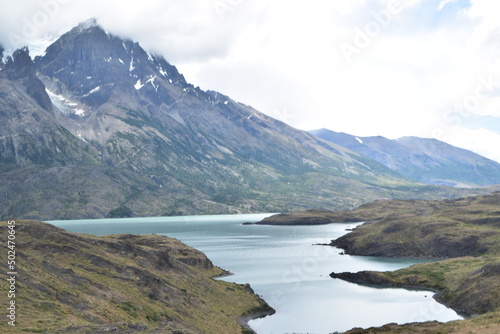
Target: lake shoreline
(218,238)
(357,278)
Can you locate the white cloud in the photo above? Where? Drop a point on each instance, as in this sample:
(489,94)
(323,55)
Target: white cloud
(443,3)
(411,64)
(481,141)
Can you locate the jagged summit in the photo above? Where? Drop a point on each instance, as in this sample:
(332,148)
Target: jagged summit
(92,65)
(20,67)
(1,56)
(125,133)
(90,23)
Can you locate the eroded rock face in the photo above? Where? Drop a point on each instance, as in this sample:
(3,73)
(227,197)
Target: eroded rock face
(1,56)
(21,68)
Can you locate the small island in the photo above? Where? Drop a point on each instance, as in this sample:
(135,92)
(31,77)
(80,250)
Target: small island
(310,217)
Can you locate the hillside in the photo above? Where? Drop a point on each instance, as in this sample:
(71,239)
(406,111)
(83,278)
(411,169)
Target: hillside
(75,283)
(464,233)
(98,127)
(432,229)
(425,160)
(467,231)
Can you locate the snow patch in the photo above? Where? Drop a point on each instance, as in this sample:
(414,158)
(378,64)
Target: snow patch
(107,60)
(131,67)
(138,85)
(90,23)
(151,80)
(80,136)
(64,105)
(92,91)
(121,61)
(150,58)
(359,140)
(162,71)
(226,102)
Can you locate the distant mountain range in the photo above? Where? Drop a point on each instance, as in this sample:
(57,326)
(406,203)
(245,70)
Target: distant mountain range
(98,127)
(425,160)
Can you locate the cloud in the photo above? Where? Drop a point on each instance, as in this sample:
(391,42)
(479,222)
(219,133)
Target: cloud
(443,3)
(480,141)
(368,67)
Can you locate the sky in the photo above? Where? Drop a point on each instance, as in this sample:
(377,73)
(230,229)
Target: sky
(426,68)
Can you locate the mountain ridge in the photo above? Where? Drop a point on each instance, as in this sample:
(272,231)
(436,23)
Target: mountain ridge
(124,133)
(425,160)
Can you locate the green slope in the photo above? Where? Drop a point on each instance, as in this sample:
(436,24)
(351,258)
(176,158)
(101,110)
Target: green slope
(84,284)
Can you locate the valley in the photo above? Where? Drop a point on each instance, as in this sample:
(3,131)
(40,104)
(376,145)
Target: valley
(99,127)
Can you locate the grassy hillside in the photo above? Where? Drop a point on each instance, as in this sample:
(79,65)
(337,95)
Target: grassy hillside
(464,233)
(485,324)
(433,229)
(84,284)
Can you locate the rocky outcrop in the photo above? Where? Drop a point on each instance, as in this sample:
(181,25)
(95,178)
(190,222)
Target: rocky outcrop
(363,277)
(308,217)
(20,68)
(1,56)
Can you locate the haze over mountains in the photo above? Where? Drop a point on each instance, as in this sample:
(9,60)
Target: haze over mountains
(99,127)
(425,160)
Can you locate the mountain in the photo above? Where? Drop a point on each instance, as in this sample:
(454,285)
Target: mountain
(76,283)
(98,127)
(426,160)
(1,56)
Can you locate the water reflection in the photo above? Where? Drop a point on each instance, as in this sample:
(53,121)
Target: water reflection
(289,270)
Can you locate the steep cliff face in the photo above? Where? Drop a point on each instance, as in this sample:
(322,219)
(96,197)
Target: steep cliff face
(21,68)
(30,133)
(1,56)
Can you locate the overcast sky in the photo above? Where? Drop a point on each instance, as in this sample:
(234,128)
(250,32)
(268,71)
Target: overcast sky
(426,68)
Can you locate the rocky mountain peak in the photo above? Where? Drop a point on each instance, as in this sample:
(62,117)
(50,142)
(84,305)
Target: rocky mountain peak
(129,136)
(92,64)
(20,68)
(19,65)
(1,57)
(86,25)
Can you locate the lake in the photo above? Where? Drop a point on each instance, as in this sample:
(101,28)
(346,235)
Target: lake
(286,266)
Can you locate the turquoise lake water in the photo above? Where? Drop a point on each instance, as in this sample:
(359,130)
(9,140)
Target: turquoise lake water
(286,267)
